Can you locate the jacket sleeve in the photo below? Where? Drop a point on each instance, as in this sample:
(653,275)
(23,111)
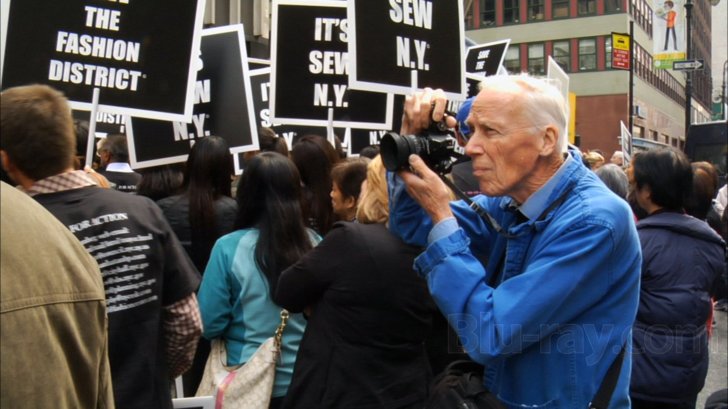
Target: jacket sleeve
(216,293)
(182,329)
(559,281)
(409,222)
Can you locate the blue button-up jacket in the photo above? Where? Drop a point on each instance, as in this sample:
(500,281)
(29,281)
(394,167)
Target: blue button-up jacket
(565,297)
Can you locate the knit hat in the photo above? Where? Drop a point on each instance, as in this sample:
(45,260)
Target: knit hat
(462,115)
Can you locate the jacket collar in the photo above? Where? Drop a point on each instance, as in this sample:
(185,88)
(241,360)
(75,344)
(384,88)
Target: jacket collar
(540,207)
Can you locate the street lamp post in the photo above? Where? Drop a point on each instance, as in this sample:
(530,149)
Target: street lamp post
(689,73)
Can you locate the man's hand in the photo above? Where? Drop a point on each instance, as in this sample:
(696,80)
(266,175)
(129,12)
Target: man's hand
(425,187)
(422,108)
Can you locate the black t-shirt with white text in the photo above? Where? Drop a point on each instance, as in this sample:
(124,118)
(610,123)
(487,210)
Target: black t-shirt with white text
(144,268)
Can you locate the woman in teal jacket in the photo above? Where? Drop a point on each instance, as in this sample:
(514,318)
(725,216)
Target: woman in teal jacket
(236,292)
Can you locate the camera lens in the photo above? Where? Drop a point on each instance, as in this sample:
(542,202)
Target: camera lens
(396,149)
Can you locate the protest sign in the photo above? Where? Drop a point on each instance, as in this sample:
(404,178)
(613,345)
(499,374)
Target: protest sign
(139,54)
(625,139)
(473,84)
(391,39)
(309,69)
(485,59)
(560,79)
(257,63)
(223,106)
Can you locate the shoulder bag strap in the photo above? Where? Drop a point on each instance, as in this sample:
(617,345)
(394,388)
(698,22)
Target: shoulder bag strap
(604,394)
(281,327)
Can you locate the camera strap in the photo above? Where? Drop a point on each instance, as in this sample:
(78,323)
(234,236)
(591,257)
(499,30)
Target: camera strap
(477,209)
(489,219)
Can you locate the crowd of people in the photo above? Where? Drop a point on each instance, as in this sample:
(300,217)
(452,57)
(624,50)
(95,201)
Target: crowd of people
(569,280)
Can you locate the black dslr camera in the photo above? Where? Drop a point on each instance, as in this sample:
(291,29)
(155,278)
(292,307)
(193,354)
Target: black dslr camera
(435,145)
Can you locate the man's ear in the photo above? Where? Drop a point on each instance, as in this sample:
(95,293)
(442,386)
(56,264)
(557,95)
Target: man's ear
(7,164)
(550,139)
(12,170)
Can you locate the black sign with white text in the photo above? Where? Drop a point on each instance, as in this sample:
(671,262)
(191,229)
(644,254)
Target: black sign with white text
(389,39)
(223,106)
(485,59)
(137,53)
(309,69)
(260,87)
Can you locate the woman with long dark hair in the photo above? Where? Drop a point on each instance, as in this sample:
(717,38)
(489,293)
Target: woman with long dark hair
(199,215)
(204,210)
(370,312)
(236,292)
(159,182)
(314,157)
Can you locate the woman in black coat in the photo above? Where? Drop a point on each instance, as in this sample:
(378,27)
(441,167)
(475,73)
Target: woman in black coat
(370,314)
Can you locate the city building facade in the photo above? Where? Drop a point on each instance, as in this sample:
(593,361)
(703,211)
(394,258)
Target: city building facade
(577,35)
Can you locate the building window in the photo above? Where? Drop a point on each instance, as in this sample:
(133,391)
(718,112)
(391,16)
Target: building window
(587,54)
(612,6)
(536,59)
(512,61)
(511,11)
(648,11)
(608,52)
(560,8)
(487,13)
(561,54)
(535,10)
(587,7)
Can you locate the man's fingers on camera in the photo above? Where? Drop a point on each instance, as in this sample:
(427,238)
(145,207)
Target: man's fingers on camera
(414,174)
(451,121)
(407,124)
(424,108)
(419,167)
(438,104)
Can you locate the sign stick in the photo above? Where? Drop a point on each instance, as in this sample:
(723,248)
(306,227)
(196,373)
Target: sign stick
(330,128)
(347,141)
(92,128)
(414,81)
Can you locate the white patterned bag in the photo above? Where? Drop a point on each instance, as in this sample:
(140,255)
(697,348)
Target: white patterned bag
(247,386)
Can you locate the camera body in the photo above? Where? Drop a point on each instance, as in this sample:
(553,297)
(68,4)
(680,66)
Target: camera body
(436,146)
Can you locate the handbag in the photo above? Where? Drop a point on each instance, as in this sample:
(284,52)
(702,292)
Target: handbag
(249,385)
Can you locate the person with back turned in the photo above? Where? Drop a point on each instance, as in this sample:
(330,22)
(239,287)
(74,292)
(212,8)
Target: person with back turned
(154,319)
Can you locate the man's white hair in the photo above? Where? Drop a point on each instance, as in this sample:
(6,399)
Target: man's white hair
(543,103)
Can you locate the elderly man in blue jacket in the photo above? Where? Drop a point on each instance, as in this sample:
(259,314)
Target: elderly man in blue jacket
(544,292)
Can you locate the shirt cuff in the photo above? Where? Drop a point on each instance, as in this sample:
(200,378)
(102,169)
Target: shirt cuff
(443,228)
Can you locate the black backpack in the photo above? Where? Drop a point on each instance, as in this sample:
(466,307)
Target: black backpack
(460,386)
